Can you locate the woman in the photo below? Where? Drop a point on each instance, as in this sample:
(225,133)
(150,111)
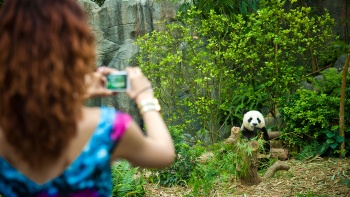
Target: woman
(50,144)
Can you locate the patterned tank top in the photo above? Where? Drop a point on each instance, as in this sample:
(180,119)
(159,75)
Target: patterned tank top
(89,175)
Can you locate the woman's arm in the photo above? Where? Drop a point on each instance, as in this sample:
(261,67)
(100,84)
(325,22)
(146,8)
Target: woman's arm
(156,149)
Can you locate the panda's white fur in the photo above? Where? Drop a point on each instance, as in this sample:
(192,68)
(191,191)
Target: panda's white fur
(254,122)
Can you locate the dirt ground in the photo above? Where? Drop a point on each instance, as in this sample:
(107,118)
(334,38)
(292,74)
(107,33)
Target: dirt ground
(319,177)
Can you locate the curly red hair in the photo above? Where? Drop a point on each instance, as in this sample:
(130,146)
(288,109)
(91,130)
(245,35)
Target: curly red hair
(46,49)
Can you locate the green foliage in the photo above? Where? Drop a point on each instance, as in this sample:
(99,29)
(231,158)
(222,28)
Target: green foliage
(180,171)
(207,71)
(242,150)
(217,169)
(189,72)
(331,83)
(312,117)
(346,182)
(309,151)
(124,181)
(99,2)
(342,47)
(225,7)
(202,177)
(333,140)
(227,163)
(307,114)
(276,45)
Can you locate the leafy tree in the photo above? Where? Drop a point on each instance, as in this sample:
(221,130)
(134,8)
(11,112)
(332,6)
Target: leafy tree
(208,70)
(225,7)
(272,49)
(189,72)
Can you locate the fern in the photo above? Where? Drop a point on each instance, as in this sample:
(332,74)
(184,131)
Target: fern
(124,183)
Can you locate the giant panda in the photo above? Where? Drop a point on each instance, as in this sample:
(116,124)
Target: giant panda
(253,123)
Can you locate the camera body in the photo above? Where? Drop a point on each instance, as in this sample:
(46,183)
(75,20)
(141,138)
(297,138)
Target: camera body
(118,81)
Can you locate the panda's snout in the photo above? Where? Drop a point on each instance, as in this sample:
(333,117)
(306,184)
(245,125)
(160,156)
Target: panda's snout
(255,124)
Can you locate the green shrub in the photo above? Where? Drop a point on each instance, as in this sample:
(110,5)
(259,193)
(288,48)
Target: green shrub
(307,114)
(124,181)
(309,151)
(218,169)
(180,171)
(312,117)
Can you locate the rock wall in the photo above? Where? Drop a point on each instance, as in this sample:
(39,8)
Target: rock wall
(117,24)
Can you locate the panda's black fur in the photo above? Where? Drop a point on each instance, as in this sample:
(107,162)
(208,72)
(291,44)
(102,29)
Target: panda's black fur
(253,123)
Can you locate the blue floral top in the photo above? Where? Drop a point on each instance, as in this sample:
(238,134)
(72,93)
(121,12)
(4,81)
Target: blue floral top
(89,175)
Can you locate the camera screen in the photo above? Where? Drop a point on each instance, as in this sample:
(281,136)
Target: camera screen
(117,82)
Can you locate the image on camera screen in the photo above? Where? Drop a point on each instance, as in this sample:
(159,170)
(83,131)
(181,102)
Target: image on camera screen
(117,82)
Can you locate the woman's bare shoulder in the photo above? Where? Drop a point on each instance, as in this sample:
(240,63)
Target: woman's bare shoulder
(90,117)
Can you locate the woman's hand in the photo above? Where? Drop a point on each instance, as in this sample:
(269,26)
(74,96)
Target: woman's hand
(140,86)
(96,81)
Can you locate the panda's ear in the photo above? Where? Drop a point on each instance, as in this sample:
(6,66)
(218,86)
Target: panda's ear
(244,111)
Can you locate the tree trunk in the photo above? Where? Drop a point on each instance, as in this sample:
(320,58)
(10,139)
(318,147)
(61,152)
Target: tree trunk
(342,106)
(251,177)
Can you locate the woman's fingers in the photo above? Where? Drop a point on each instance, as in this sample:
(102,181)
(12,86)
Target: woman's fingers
(138,82)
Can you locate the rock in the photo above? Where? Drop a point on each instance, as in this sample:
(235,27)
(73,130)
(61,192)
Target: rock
(339,64)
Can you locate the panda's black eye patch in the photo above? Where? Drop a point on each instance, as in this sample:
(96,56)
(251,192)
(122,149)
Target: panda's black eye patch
(259,120)
(250,119)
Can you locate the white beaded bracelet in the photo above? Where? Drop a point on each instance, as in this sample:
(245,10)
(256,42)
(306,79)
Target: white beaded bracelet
(149,105)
